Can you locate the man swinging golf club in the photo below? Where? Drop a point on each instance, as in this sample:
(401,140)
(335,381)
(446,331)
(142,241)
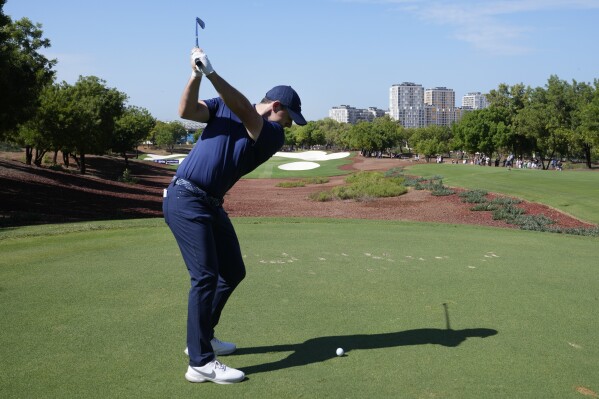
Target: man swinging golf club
(239,136)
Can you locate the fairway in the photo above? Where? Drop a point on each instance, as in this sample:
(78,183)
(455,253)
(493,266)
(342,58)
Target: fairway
(572,192)
(98,310)
(270,169)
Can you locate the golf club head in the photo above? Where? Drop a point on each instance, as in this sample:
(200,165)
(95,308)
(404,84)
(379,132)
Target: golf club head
(202,25)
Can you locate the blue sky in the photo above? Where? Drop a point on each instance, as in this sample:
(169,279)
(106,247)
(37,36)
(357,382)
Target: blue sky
(332,52)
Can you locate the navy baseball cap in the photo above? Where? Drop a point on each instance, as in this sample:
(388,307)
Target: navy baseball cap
(289,98)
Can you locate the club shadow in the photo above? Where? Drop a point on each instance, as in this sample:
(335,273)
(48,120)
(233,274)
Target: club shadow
(323,348)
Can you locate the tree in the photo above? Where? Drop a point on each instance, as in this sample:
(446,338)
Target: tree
(23,71)
(586,132)
(476,131)
(130,128)
(431,140)
(389,133)
(309,135)
(95,109)
(505,103)
(167,134)
(49,126)
(533,121)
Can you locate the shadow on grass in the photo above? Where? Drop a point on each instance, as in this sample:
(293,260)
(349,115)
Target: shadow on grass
(323,348)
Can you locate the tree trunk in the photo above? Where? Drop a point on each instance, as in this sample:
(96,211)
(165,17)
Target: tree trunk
(65,159)
(82,163)
(39,156)
(587,156)
(28,155)
(126,160)
(55,158)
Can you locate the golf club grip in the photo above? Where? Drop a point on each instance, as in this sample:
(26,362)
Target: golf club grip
(198,63)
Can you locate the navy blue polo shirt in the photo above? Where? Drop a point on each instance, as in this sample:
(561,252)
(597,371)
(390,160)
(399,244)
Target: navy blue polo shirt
(225,152)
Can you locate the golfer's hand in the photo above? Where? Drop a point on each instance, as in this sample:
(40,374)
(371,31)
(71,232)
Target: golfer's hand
(205,67)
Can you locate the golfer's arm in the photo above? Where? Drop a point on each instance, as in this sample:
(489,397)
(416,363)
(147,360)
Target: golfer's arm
(190,107)
(239,104)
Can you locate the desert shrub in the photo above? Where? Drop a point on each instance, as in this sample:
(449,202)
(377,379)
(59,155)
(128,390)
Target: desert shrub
(505,201)
(474,196)
(579,231)
(290,184)
(321,196)
(485,206)
(414,182)
(533,222)
(507,213)
(316,180)
(364,186)
(394,172)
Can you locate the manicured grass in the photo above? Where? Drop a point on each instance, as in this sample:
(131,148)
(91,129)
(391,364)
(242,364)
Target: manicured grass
(98,310)
(270,169)
(573,192)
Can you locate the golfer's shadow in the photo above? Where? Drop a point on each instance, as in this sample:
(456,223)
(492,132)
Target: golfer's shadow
(323,348)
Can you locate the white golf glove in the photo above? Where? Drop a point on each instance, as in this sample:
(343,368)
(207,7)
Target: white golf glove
(206,67)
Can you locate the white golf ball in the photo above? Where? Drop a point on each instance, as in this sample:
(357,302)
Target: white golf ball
(340,352)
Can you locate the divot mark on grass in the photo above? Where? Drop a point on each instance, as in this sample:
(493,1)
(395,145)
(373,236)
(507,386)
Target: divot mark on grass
(587,392)
(575,346)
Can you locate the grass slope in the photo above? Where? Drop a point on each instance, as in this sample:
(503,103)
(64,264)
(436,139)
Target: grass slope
(270,169)
(98,310)
(573,192)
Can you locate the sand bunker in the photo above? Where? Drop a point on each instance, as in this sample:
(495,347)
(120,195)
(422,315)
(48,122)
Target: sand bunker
(299,166)
(312,155)
(308,156)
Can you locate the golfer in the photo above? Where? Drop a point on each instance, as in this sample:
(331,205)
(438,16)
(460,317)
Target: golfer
(239,136)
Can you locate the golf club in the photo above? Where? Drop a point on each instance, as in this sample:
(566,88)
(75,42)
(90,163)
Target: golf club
(201,24)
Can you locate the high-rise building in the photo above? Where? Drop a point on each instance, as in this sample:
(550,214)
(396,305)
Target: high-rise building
(440,97)
(352,115)
(406,104)
(440,106)
(475,100)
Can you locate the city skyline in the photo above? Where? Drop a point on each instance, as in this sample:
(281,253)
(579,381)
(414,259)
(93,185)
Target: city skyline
(414,106)
(330,51)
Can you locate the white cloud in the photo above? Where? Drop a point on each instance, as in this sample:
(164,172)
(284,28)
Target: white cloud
(485,25)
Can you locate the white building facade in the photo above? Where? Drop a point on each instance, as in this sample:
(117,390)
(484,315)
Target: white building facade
(475,100)
(440,106)
(406,104)
(352,115)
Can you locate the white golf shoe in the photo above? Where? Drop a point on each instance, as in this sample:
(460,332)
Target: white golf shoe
(219,347)
(215,372)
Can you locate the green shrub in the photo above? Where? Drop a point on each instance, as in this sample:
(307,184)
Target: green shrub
(127,177)
(321,196)
(414,182)
(368,185)
(507,213)
(579,231)
(474,196)
(394,172)
(485,206)
(291,184)
(533,222)
(505,201)
(316,180)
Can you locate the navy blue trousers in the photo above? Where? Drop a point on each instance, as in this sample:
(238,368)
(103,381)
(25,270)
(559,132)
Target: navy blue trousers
(211,252)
